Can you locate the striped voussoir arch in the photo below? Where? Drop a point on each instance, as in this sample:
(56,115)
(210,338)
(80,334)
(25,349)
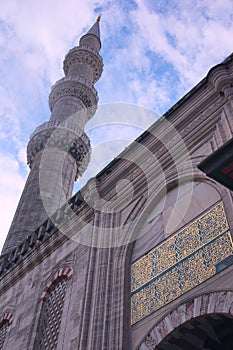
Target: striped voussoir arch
(219,302)
(6,316)
(63,272)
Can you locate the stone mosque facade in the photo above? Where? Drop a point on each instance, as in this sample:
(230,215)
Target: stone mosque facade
(141,257)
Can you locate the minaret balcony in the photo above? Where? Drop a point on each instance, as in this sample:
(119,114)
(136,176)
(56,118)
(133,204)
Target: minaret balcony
(80,88)
(84,55)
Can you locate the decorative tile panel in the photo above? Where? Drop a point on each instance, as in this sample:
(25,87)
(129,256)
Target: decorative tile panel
(182,262)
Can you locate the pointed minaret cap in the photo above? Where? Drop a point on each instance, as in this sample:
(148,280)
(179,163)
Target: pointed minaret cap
(94,30)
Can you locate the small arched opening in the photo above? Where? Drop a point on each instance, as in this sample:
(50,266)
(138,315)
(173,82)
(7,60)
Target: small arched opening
(209,332)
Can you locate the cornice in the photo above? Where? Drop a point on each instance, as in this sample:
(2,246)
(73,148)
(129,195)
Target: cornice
(194,117)
(41,243)
(202,85)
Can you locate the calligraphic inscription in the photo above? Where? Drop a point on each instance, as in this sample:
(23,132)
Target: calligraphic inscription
(182,262)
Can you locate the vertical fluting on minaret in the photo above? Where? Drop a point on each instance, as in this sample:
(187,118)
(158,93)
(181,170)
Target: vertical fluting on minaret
(58,151)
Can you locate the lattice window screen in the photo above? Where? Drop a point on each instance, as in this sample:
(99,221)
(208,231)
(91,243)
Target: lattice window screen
(3,332)
(51,317)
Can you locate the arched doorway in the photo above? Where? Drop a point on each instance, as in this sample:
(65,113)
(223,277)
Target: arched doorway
(210,332)
(204,323)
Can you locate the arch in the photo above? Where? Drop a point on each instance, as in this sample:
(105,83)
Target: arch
(219,302)
(62,272)
(167,214)
(6,316)
(53,299)
(140,213)
(5,321)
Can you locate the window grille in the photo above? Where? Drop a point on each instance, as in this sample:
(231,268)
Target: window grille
(51,316)
(3,332)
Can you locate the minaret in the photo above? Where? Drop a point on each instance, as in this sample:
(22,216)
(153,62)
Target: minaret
(58,151)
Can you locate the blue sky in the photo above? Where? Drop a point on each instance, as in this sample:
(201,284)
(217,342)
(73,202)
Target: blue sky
(154,51)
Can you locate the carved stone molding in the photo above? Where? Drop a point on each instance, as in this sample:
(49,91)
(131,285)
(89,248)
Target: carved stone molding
(77,144)
(191,127)
(221,79)
(75,88)
(84,54)
(150,342)
(46,125)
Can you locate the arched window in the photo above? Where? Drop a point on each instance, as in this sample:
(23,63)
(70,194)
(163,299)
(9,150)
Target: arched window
(5,321)
(51,314)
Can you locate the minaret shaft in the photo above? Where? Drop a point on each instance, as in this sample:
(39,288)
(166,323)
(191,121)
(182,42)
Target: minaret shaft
(31,208)
(66,107)
(59,150)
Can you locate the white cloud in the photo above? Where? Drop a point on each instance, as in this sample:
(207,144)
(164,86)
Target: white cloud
(200,36)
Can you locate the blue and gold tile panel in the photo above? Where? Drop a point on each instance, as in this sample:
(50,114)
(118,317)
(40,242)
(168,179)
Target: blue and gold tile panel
(182,262)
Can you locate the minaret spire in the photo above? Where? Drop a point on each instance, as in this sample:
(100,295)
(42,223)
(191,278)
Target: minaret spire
(58,151)
(95,29)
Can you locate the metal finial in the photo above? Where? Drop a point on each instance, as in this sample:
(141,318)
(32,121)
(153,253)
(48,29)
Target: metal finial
(99,17)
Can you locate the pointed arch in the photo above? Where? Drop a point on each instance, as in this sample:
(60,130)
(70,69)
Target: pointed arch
(219,302)
(62,272)
(53,299)
(5,321)
(139,213)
